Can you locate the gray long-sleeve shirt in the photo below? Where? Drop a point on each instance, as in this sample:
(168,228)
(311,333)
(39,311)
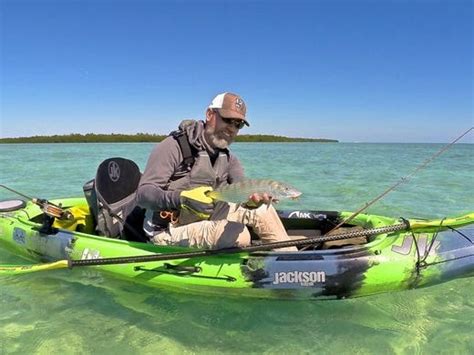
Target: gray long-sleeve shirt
(166,162)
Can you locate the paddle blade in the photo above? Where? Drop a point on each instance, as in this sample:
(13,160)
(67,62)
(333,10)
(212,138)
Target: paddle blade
(25,269)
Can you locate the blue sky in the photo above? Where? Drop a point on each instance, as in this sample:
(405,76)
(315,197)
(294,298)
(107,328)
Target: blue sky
(370,71)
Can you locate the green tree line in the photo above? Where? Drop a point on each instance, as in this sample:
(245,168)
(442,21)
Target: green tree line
(144,137)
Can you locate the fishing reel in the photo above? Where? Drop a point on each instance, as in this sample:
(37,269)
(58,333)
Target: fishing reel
(50,213)
(51,210)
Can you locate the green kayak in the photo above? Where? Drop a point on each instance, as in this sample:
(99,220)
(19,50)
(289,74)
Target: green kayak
(372,254)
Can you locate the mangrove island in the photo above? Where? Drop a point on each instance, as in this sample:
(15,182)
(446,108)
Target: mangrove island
(148,138)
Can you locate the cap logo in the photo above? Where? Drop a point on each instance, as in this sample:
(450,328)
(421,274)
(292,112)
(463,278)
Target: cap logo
(239,104)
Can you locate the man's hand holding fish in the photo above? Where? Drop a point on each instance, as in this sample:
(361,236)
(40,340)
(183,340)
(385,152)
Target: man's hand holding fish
(257,199)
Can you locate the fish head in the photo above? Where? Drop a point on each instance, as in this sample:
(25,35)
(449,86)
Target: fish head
(284,191)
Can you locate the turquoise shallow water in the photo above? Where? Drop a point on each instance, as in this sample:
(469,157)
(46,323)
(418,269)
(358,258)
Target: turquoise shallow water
(84,311)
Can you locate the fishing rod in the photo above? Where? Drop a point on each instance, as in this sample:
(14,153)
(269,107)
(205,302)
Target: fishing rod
(235,250)
(49,208)
(16,192)
(401,181)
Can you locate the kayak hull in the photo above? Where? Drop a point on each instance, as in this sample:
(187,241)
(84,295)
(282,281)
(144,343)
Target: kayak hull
(432,252)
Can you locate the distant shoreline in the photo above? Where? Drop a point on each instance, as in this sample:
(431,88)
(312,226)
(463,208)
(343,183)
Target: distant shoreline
(149,138)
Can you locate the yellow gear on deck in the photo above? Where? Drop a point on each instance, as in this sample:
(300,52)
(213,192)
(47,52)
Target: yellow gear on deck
(81,221)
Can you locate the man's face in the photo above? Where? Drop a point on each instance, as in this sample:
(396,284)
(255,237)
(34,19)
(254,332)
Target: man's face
(219,133)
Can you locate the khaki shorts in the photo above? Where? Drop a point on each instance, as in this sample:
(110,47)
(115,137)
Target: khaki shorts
(226,228)
(216,233)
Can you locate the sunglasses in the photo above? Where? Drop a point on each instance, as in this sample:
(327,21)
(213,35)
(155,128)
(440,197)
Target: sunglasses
(233,121)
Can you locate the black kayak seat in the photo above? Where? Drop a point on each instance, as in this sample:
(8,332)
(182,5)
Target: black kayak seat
(117,179)
(112,199)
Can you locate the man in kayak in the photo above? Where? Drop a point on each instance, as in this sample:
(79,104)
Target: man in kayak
(180,171)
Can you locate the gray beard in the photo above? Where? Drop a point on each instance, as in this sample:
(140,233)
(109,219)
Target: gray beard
(220,143)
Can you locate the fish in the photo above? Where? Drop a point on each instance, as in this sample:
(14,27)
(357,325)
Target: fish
(240,191)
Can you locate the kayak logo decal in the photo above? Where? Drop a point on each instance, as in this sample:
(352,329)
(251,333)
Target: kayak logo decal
(304,278)
(19,236)
(114,171)
(89,254)
(299,214)
(307,215)
(422,244)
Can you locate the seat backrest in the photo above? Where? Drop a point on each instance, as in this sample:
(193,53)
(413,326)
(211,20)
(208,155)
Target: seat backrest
(117,179)
(112,197)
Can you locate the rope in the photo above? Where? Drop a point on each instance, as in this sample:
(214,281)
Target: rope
(461,234)
(421,261)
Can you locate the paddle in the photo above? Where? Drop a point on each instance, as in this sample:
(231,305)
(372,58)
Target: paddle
(63,264)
